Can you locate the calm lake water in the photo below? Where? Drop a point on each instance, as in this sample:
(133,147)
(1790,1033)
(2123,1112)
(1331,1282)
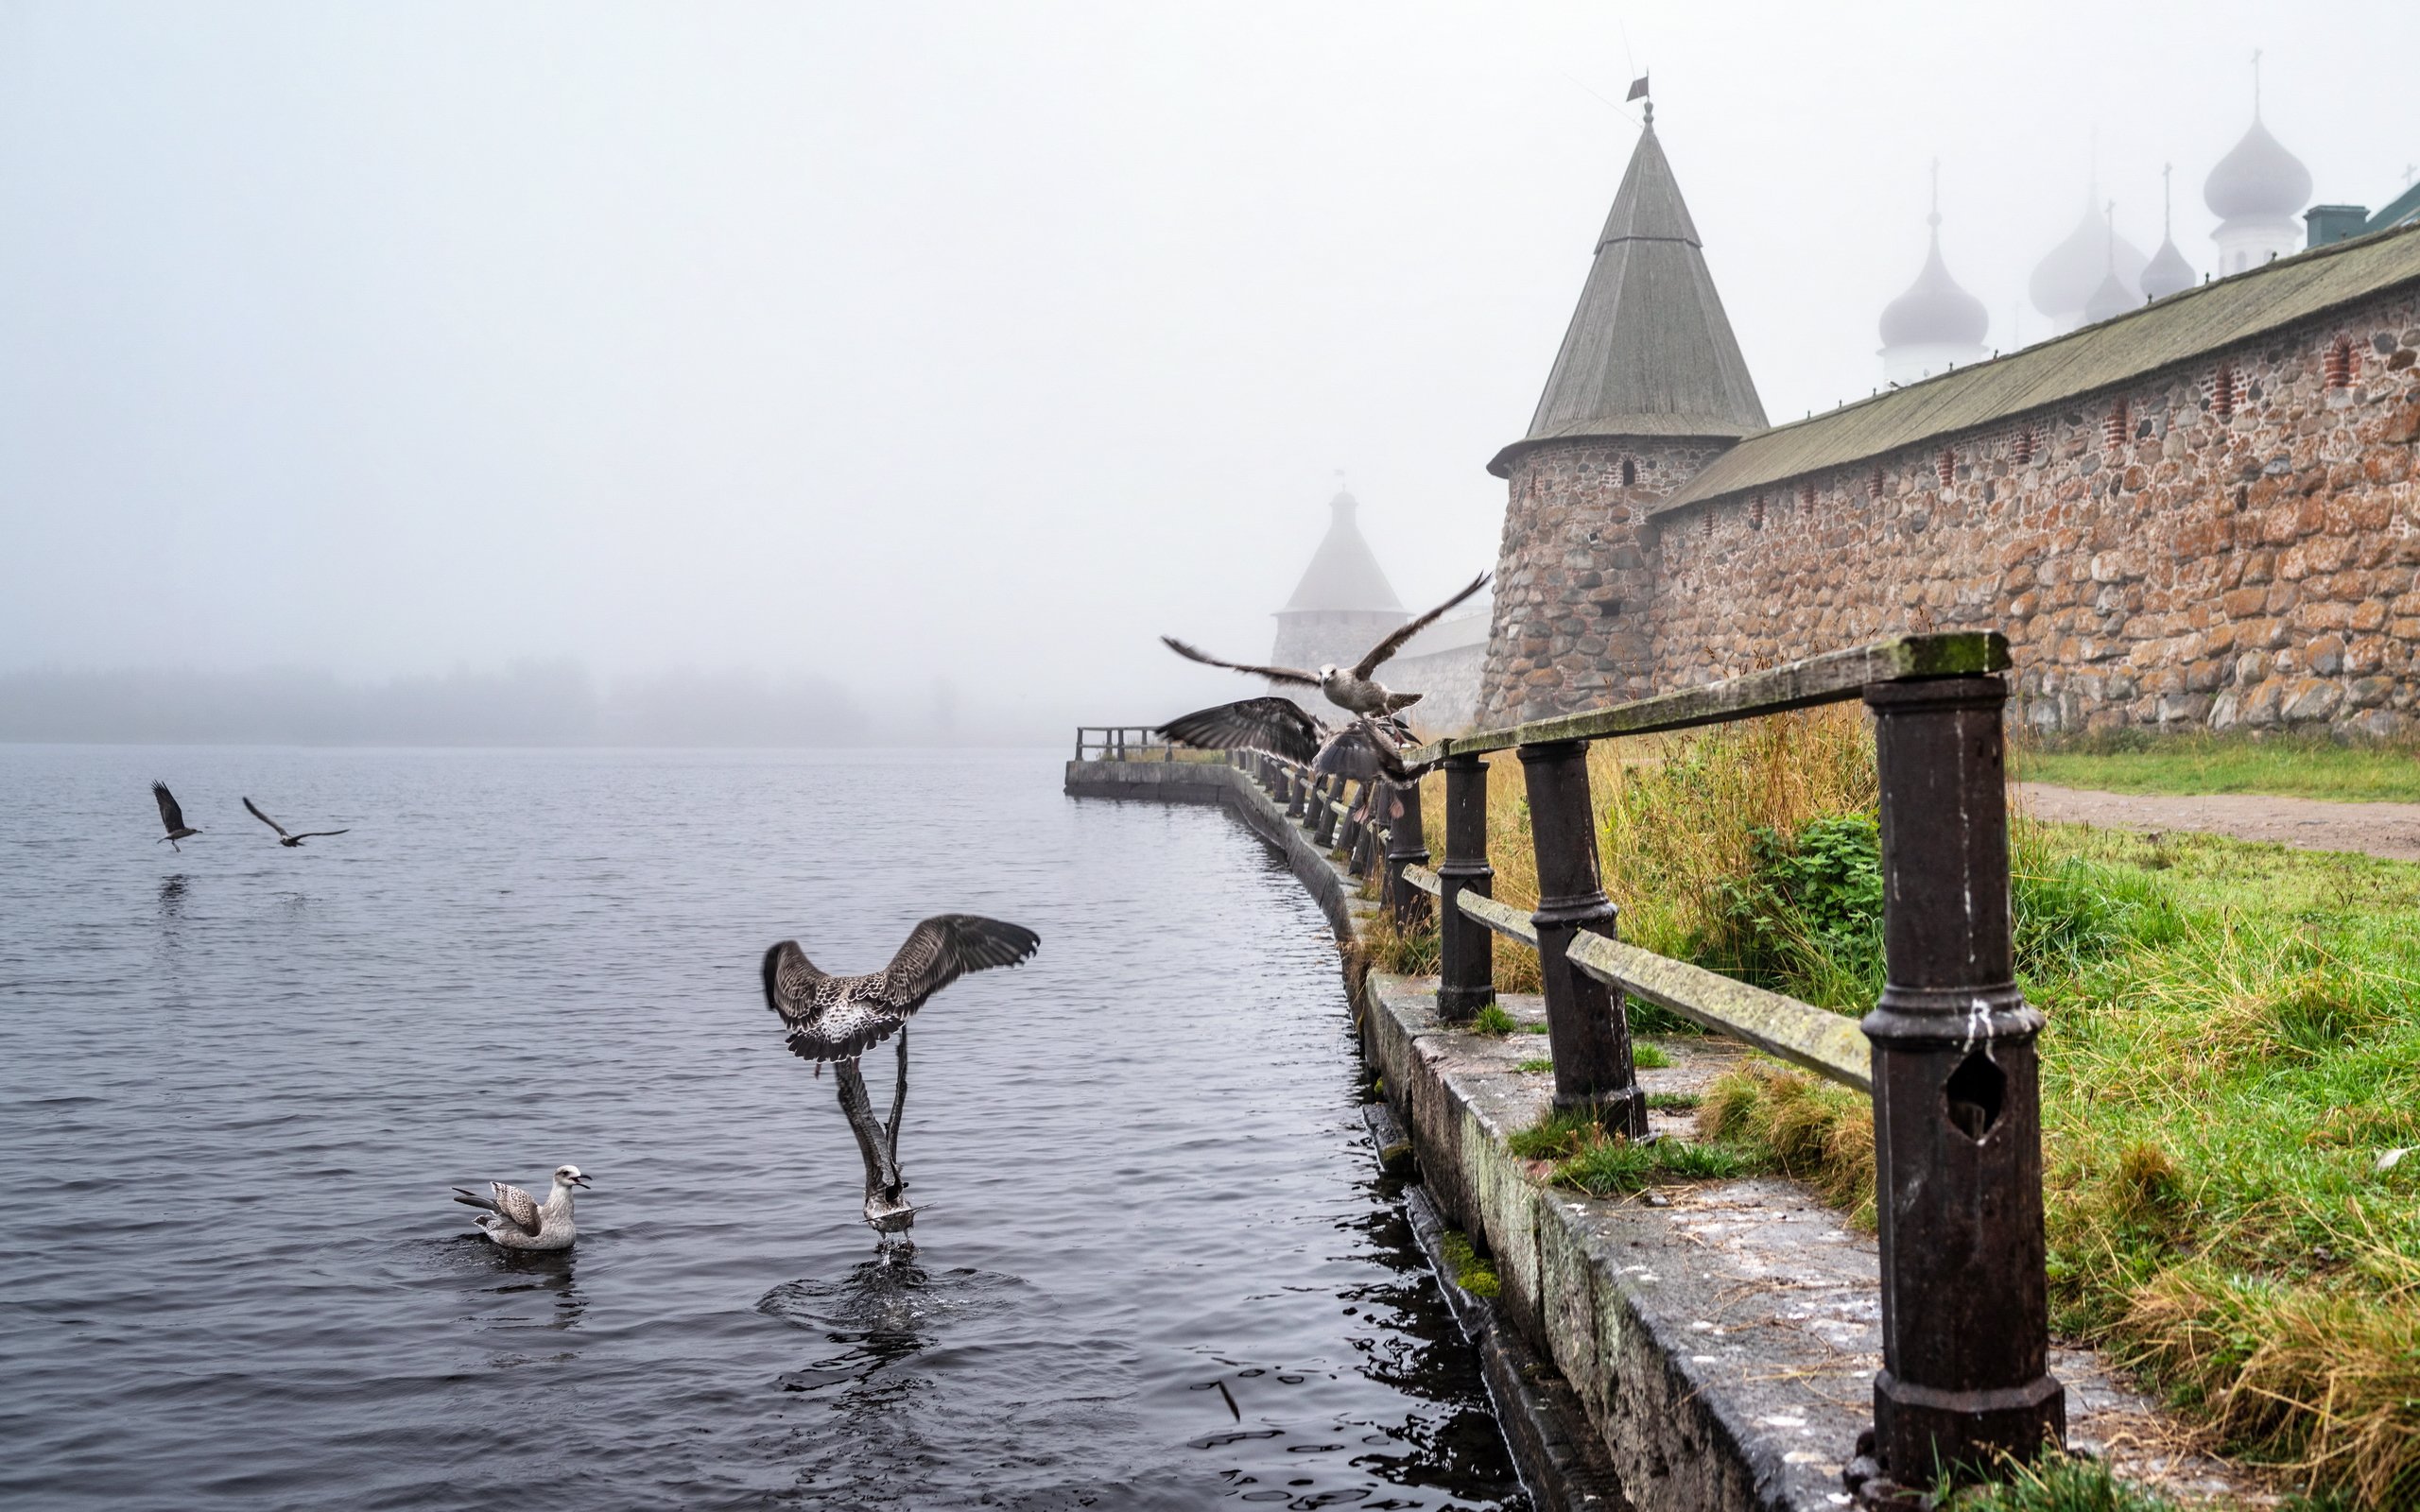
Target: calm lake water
(235,1084)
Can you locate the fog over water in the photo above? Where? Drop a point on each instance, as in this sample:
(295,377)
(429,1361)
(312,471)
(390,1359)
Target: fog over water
(769,374)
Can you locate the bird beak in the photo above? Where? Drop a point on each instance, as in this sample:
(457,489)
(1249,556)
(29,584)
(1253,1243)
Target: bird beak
(580,1180)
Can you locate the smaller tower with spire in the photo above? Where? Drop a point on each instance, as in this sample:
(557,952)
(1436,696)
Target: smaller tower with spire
(2113,296)
(2065,281)
(1935,325)
(2167,272)
(2258,192)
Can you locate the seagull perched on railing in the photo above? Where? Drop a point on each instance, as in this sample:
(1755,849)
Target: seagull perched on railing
(172,818)
(838,1019)
(1355,689)
(289,841)
(518,1220)
(1363,750)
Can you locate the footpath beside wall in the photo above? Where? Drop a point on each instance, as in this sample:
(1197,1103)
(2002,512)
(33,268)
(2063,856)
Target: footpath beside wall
(1718,1343)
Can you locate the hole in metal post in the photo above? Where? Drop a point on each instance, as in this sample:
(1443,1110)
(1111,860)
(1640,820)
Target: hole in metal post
(1973,1096)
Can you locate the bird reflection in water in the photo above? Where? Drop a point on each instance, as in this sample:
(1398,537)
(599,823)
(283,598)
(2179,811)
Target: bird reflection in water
(533,1274)
(172,898)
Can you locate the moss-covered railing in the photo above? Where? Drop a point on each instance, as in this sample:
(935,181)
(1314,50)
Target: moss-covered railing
(1947,1055)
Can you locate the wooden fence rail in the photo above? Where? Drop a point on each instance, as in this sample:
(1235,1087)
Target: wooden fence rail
(1947,1055)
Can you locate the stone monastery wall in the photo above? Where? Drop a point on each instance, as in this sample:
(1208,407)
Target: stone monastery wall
(2230,543)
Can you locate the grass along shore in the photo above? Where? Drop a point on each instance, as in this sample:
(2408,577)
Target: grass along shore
(2189,765)
(2232,1060)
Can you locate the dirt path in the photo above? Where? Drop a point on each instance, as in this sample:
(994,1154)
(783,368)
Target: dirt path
(2389,830)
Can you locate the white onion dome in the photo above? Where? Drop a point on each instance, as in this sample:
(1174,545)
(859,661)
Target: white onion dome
(1935,311)
(2111,300)
(2065,281)
(2258,179)
(2167,272)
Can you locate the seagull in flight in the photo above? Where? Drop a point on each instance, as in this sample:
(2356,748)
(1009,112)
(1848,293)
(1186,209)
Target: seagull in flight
(172,818)
(1363,748)
(516,1220)
(289,841)
(838,1019)
(1355,689)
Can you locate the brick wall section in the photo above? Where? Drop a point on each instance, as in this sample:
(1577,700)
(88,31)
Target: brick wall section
(1573,582)
(2155,566)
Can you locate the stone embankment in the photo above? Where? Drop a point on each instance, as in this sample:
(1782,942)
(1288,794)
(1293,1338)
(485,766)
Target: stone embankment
(1712,1346)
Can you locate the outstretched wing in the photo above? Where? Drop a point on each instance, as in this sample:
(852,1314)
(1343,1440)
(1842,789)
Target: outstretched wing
(790,980)
(512,1204)
(947,946)
(1293,674)
(171,816)
(262,817)
(315,834)
(1396,639)
(1277,726)
(823,1017)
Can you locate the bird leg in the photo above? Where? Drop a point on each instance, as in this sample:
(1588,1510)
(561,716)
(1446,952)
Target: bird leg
(886,1207)
(898,1106)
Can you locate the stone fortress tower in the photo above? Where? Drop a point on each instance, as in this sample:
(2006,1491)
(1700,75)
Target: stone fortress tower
(1648,386)
(2200,510)
(1344,604)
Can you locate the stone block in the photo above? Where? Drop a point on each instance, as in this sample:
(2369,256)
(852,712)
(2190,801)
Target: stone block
(2309,701)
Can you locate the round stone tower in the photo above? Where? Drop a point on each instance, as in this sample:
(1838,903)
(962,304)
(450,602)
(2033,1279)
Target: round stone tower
(1648,387)
(1342,607)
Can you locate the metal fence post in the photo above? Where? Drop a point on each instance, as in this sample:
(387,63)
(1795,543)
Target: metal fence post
(1587,1023)
(1323,812)
(1406,846)
(1957,1102)
(1364,854)
(1348,825)
(1297,804)
(1466,975)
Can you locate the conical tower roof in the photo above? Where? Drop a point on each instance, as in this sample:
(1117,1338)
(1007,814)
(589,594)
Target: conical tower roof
(1345,572)
(1649,351)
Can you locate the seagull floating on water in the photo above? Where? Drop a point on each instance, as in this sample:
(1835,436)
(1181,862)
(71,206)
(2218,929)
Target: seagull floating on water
(289,841)
(516,1220)
(1355,689)
(1363,750)
(172,818)
(838,1019)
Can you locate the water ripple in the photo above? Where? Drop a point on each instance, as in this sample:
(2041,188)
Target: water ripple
(1155,1267)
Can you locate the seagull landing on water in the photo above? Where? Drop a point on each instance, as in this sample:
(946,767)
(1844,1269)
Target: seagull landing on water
(516,1220)
(289,841)
(172,818)
(1363,750)
(1355,689)
(838,1019)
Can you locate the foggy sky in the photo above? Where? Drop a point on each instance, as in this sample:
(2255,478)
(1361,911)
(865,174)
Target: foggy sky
(949,353)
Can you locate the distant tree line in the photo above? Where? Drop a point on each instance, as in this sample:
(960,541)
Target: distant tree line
(528,703)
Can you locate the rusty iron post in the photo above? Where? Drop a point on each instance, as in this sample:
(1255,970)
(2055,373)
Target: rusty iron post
(1467,976)
(1406,846)
(1364,853)
(1587,1022)
(1323,812)
(1957,1103)
(1297,802)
